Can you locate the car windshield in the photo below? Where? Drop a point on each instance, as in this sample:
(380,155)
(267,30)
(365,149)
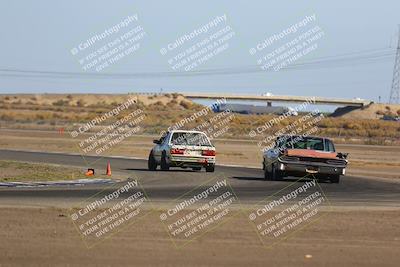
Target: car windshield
(299,142)
(309,143)
(190,139)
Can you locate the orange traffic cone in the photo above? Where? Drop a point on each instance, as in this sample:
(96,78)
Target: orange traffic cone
(108,171)
(90,172)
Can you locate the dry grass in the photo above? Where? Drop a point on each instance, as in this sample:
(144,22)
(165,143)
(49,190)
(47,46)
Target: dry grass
(24,171)
(162,111)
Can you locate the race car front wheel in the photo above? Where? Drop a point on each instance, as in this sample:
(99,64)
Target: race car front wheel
(151,162)
(267,174)
(335,179)
(164,164)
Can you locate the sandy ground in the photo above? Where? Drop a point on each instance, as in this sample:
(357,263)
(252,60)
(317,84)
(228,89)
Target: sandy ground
(365,160)
(46,237)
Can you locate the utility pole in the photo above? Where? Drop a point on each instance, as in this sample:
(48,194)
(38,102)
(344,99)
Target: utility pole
(395,91)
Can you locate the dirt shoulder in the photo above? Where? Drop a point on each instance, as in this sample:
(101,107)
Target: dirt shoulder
(19,171)
(12,171)
(46,236)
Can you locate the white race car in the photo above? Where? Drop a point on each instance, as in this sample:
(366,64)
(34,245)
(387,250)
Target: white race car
(185,149)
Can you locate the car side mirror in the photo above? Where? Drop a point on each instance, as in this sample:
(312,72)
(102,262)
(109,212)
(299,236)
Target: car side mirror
(155,141)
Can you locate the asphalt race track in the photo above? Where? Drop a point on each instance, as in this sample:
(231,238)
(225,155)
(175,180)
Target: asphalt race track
(247,183)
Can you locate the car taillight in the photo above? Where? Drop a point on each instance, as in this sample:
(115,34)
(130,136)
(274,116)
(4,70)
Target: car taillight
(208,153)
(177,151)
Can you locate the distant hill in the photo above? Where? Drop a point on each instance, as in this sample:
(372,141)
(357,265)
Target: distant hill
(90,100)
(372,111)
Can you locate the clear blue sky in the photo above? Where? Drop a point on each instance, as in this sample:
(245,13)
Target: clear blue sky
(38,35)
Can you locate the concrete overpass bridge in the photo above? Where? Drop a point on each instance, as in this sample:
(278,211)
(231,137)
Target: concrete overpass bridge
(275,98)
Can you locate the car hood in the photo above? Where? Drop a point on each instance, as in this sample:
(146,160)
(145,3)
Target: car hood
(311,153)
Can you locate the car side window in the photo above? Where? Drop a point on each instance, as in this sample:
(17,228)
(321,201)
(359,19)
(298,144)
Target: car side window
(329,146)
(161,139)
(283,143)
(278,143)
(164,138)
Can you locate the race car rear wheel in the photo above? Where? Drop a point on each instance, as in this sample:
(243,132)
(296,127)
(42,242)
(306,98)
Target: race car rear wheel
(276,174)
(267,174)
(151,162)
(210,168)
